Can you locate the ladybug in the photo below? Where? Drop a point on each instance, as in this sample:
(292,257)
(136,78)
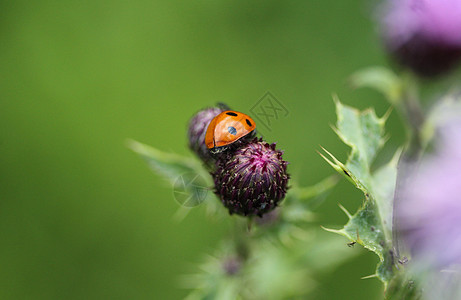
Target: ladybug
(227,128)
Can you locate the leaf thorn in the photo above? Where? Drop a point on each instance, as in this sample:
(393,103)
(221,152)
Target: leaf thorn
(370,276)
(338,231)
(345,211)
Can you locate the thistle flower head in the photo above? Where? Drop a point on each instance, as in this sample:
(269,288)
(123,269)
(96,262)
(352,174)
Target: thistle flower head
(423,35)
(430,213)
(198,125)
(251,180)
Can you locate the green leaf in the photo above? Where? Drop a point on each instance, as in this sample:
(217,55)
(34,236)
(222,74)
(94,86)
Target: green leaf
(269,270)
(170,165)
(383,184)
(287,224)
(445,111)
(318,189)
(191,183)
(381,79)
(371,225)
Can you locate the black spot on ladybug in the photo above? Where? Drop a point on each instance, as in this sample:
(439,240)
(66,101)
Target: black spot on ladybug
(232,130)
(231,114)
(248,122)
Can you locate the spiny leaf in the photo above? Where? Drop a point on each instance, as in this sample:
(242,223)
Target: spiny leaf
(168,164)
(191,183)
(341,169)
(383,184)
(371,225)
(364,133)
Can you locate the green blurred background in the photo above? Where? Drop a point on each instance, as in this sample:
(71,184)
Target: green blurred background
(81,216)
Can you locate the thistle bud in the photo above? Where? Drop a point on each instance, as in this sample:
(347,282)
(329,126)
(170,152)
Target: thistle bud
(423,35)
(252,180)
(197,130)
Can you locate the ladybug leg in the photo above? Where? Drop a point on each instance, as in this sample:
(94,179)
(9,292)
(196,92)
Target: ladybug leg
(218,150)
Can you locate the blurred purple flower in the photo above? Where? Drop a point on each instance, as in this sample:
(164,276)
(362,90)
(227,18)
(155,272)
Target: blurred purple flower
(198,125)
(424,35)
(430,213)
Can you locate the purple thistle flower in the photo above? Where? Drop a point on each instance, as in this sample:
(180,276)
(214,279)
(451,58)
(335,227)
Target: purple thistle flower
(252,180)
(430,212)
(424,35)
(197,130)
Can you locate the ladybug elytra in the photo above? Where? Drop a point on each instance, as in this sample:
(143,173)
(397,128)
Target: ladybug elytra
(227,128)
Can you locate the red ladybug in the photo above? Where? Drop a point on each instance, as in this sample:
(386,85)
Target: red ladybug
(227,128)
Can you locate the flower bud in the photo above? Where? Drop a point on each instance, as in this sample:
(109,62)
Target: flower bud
(423,35)
(197,130)
(252,180)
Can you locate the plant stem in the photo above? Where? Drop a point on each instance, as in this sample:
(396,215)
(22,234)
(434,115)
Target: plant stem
(241,238)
